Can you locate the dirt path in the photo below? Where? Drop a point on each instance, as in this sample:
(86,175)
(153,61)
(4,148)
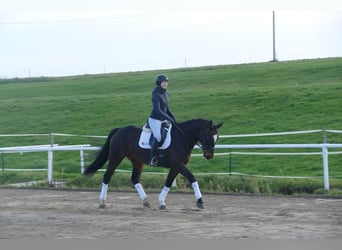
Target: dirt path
(56,214)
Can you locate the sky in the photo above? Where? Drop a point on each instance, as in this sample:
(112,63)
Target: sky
(73,37)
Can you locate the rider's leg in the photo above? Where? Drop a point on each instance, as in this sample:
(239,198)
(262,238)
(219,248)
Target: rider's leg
(155,127)
(153,156)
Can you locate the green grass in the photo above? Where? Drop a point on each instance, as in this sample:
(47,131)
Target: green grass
(248,98)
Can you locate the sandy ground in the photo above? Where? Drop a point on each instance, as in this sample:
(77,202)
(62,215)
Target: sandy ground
(56,214)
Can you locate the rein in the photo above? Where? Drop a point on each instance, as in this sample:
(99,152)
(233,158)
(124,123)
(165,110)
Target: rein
(188,137)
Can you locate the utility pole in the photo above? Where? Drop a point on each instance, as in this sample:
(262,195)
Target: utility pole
(274,48)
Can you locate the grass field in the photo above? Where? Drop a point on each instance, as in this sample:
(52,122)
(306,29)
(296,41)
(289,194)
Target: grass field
(248,98)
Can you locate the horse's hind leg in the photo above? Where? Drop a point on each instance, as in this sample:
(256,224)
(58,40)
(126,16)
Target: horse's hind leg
(103,195)
(113,163)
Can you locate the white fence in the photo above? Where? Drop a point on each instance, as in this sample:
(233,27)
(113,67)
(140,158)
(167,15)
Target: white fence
(86,147)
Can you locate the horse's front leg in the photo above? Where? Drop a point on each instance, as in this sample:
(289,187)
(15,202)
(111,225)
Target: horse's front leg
(162,196)
(135,178)
(191,178)
(142,194)
(198,195)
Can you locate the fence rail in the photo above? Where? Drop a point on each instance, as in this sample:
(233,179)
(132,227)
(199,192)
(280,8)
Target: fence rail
(50,148)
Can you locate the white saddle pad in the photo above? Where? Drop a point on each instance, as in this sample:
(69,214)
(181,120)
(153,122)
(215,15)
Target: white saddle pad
(144,140)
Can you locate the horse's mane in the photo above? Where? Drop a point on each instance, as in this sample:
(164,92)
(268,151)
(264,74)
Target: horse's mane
(193,123)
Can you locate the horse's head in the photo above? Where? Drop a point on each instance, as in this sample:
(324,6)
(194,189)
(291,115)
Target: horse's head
(208,139)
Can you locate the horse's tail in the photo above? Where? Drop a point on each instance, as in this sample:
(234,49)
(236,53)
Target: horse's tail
(102,157)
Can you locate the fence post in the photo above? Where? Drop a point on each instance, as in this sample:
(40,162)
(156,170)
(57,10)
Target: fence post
(325,168)
(230,162)
(3,160)
(50,167)
(82,161)
(325,162)
(50,161)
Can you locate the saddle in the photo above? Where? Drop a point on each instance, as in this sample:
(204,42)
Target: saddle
(146,136)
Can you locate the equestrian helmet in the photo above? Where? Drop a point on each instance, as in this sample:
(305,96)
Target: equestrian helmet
(160,79)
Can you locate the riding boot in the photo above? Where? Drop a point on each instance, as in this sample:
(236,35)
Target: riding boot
(153,157)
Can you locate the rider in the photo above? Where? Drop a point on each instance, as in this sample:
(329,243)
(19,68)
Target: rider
(160,113)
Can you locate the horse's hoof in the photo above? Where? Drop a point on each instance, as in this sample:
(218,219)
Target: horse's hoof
(199,203)
(147,204)
(162,207)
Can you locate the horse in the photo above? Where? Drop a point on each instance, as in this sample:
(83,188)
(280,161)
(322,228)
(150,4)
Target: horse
(123,142)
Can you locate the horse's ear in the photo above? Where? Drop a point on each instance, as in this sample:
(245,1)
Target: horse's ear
(211,124)
(219,125)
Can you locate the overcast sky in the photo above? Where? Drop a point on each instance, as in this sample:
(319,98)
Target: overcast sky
(71,37)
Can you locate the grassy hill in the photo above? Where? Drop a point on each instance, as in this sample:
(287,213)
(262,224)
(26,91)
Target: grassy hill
(248,98)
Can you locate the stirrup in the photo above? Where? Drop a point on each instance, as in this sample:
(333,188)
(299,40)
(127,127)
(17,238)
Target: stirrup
(154,162)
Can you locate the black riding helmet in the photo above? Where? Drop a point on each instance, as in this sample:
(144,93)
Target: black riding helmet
(160,79)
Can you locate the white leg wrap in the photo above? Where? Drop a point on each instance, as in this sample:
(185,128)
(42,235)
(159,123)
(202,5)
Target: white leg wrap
(196,189)
(162,195)
(103,195)
(140,191)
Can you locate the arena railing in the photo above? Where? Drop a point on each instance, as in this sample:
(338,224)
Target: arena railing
(50,148)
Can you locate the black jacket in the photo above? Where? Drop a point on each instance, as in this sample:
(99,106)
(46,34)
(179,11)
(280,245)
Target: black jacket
(160,103)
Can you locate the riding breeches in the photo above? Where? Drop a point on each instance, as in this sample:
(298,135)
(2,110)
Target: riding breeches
(155,126)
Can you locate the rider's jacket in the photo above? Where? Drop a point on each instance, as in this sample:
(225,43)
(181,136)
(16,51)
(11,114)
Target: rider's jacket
(160,103)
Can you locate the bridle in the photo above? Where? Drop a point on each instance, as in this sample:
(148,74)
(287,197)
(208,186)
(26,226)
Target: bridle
(207,134)
(190,139)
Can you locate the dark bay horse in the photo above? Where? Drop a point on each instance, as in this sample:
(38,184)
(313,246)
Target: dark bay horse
(123,142)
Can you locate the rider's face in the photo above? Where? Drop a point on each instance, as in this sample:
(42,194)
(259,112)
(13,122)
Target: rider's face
(164,84)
